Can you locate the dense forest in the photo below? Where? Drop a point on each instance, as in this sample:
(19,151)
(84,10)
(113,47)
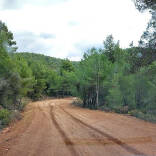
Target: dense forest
(108,78)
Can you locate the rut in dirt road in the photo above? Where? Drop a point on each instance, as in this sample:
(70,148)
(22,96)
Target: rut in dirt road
(67,140)
(115,140)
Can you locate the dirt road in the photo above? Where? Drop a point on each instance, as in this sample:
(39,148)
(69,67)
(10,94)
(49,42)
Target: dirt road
(57,128)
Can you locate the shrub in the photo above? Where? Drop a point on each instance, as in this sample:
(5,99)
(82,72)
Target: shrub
(144,116)
(4,117)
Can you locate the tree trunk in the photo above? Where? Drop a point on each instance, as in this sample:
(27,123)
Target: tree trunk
(97,91)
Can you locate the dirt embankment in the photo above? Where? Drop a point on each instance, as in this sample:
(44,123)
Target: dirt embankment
(56,128)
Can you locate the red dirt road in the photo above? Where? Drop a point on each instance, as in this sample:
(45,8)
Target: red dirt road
(57,128)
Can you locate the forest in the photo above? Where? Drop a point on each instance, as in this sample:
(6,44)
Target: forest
(109,78)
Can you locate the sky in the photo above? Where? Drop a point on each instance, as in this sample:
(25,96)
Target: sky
(67,28)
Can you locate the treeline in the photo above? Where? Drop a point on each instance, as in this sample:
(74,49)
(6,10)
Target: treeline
(120,80)
(109,78)
(46,76)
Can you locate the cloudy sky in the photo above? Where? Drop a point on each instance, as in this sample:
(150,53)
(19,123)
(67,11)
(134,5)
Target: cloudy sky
(66,28)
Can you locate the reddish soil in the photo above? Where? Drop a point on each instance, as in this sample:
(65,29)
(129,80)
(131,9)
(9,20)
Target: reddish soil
(57,128)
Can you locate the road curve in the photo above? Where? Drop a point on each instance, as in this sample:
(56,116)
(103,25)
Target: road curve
(57,128)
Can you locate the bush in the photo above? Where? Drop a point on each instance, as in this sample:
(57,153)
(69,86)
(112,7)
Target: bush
(4,117)
(145,116)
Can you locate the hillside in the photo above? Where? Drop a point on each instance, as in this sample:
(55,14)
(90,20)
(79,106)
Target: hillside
(52,62)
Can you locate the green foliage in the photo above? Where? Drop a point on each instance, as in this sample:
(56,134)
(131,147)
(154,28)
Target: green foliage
(54,74)
(49,62)
(4,117)
(8,35)
(145,116)
(148,39)
(10,81)
(115,98)
(66,65)
(38,89)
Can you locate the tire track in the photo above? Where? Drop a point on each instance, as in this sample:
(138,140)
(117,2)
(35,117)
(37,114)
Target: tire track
(107,141)
(67,140)
(40,142)
(110,138)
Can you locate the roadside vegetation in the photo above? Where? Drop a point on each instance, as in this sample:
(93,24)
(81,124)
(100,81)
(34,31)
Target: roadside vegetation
(109,78)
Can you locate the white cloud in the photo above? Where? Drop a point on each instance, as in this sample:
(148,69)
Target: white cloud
(75,22)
